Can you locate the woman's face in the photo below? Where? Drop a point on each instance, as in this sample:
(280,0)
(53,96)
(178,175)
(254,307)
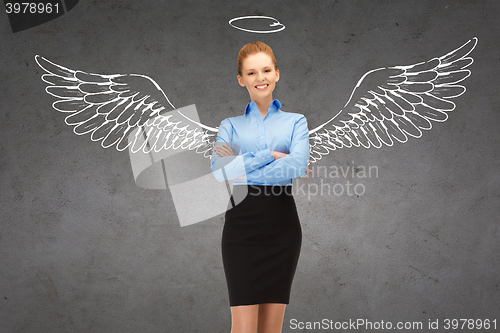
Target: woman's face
(259,76)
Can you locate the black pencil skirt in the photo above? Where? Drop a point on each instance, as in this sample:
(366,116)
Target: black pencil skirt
(261,242)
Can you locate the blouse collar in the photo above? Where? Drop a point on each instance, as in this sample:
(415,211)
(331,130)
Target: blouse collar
(252,107)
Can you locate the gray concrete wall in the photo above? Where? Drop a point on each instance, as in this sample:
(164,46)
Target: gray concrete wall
(83,249)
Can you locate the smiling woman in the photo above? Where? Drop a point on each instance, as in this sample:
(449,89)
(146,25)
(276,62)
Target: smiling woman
(259,75)
(262,236)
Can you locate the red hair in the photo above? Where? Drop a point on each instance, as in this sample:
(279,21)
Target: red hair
(252,48)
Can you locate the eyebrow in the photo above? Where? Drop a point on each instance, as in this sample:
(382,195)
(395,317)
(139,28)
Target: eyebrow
(251,69)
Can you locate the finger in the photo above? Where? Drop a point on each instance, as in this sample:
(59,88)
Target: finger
(219,152)
(224,150)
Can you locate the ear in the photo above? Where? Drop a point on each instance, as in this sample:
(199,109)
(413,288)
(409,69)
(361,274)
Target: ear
(277,75)
(240,80)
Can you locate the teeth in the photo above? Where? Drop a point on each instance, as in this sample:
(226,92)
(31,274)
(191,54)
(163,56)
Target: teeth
(262,86)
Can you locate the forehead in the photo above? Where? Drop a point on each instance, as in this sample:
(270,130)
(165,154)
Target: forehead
(257,60)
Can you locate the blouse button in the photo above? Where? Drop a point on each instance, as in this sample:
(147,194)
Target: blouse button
(262,137)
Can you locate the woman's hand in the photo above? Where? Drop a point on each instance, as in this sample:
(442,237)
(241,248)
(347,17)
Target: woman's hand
(307,170)
(277,154)
(224,150)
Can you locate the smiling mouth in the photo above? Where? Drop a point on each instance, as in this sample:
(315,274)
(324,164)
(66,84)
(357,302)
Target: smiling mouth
(262,86)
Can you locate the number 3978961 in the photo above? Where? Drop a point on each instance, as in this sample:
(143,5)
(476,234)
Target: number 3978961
(31,7)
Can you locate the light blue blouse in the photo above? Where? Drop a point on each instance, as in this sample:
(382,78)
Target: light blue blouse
(252,139)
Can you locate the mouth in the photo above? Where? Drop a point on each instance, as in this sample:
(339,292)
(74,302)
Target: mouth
(262,86)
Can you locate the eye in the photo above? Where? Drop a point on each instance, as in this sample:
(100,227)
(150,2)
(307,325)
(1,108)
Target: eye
(250,73)
(268,70)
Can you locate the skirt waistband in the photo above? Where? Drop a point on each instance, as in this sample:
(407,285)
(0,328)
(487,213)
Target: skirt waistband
(263,190)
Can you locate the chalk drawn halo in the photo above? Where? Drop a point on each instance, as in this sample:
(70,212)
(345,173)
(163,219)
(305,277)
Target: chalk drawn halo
(275,23)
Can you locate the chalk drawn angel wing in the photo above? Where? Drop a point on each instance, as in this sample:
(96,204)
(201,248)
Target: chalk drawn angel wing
(392,103)
(111,107)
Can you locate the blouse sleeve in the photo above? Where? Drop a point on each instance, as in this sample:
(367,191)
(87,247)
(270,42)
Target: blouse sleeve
(232,167)
(291,166)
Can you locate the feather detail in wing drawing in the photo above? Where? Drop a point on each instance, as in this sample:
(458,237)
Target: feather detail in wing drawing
(392,103)
(387,104)
(111,107)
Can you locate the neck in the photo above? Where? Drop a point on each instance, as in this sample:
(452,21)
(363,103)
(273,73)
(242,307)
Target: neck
(263,104)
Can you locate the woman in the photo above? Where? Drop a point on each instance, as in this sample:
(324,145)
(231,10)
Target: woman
(263,150)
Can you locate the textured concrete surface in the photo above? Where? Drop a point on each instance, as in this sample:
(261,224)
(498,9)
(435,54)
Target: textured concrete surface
(83,249)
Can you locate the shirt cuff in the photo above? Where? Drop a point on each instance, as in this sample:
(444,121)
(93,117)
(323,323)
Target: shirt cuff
(258,159)
(265,156)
